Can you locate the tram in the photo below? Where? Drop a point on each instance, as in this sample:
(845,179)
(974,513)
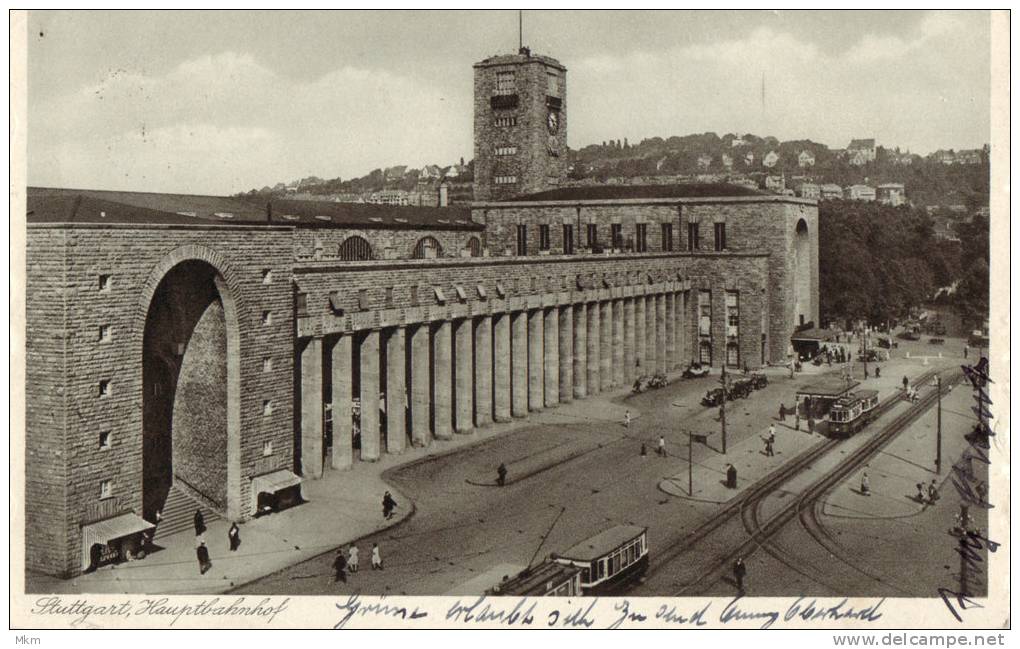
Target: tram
(609,560)
(851,413)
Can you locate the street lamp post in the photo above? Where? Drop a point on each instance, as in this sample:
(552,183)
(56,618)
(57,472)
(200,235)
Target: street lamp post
(722,408)
(937,381)
(690,464)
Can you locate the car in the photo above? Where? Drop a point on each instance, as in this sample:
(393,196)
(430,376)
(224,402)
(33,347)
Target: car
(936,341)
(695,370)
(713,397)
(910,335)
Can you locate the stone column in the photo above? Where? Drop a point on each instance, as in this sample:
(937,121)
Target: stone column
(343,425)
(660,334)
(639,336)
(552,357)
(463,376)
(421,403)
(683,338)
(651,362)
(370,396)
(670,332)
(501,360)
(594,383)
(520,364)
(566,351)
(536,362)
(396,392)
(618,379)
(581,351)
(606,344)
(311,408)
(442,374)
(629,338)
(483,371)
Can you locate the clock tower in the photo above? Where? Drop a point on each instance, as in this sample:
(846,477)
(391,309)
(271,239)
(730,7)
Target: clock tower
(520,125)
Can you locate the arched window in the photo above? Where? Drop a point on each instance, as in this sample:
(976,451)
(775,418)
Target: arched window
(355,248)
(474,247)
(427,248)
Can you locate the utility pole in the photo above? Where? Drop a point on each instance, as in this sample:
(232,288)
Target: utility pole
(690,464)
(722,408)
(938,426)
(864,349)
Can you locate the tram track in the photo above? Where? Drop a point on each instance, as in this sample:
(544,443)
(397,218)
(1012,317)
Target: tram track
(747,505)
(760,534)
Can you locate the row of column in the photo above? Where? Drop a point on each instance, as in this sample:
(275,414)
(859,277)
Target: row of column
(469,372)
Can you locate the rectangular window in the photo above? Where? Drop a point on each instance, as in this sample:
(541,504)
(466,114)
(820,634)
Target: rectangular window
(267,449)
(641,238)
(105,388)
(667,237)
(720,236)
(267,407)
(505,83)
(414,296)
(568,239)
(693,238)
(506,150)
(389,296)
(505,121)
(104,440)
(267,317)
(105,333)
(705,313)
(105,489)
(300,305)
(267,276)
(506,180)
(593,236)
(543,237)
(616,234)
(552,83)
(522,240)
(267,364)
(732,314)
(104,283)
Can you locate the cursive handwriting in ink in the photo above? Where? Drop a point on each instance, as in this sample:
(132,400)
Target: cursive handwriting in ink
(668,614)
(811,611)
(353,606)
(733,613)
(626,614)
(577,618)
(484,610)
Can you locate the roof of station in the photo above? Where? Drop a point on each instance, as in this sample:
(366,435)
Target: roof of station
(624,192)
(52,205)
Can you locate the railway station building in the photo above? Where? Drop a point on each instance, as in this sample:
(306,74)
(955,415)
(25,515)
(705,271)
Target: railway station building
(216,351)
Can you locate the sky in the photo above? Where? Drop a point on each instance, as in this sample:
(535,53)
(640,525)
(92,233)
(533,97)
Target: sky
(222,102)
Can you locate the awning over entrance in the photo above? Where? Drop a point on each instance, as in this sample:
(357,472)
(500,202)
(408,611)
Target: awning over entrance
(830,387)
(271,483)
(111,529)
(814,334)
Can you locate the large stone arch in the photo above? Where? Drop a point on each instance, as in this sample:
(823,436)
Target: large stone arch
(235,313)
(803,308)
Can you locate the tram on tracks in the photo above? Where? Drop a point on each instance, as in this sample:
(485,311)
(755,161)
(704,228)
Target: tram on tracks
(851,413)
(610,560)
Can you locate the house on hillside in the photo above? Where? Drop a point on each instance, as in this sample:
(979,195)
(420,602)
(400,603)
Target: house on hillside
(727,161)
(704,161)
(770,160)
(806,159)
(749,158)
(861,151)
(395,174)
(775,183)
(969,156)
(389,197)
(860,193)
(429,173)
(943,156)
(809,190)
(830,191)
(891,194)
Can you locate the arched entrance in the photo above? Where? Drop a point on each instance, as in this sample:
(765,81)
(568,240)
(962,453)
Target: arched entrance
(190,386)
(802,309)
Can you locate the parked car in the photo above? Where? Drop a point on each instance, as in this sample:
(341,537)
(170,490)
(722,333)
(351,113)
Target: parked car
(695,370)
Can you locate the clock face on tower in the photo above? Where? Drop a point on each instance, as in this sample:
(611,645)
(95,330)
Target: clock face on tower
(552,122)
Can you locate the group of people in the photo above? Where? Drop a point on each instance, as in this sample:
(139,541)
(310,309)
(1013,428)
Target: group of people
(347,560)
(770,441)
(202,550)
(929,495)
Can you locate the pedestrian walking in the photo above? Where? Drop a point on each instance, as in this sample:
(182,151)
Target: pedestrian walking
(965,351)
(234,536)
(982,492)
(644,450)
(865,485)
(906,382)
(878,372)
(933,492)
(731,476)
(501,474)
(739,572)
(339,567)
(920,492)
(661,450)
(626,419)
(782,412)
(352,559)
(199,523)
(388,505)
(376,557)
(796,421)
(202,552)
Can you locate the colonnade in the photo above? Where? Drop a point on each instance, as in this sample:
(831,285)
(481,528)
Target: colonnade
(432,380)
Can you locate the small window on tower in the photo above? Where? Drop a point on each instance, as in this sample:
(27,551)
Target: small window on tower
(104,283)
(104,440)
(505,83)
(553,84)
(105,489)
